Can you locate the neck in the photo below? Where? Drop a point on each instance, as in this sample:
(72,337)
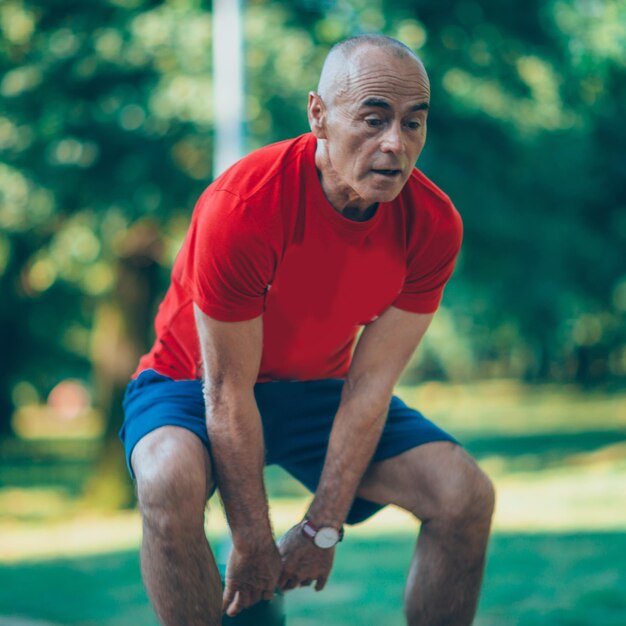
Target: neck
(359,215)
(340,196)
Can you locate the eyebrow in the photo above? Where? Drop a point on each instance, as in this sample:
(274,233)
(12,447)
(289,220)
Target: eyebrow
(383,104)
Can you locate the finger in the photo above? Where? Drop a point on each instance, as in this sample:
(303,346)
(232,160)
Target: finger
(243,600)
(321,583)
(267,595)
(237,605)
(291,583)
(305,583)
(285,577)
(228,597)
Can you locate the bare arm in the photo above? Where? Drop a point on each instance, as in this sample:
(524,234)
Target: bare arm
(381,355)
(231,356)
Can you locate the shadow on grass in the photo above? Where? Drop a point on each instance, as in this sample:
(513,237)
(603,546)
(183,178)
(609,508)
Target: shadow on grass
(531,580)
(521,452)
(550,448)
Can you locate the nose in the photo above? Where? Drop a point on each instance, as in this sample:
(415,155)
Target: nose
(392,140)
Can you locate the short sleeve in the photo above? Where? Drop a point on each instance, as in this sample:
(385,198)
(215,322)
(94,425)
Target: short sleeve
(229,260)
(431,261)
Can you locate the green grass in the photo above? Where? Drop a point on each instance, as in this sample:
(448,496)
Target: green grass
(531,580)
(557,557)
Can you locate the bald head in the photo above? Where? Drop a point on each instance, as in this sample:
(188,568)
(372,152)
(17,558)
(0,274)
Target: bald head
(369,119)
(340,63)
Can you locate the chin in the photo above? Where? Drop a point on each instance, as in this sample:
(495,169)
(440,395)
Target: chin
(384,195)
(384,191)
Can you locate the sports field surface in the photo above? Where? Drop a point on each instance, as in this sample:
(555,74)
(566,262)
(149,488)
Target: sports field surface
(557,557)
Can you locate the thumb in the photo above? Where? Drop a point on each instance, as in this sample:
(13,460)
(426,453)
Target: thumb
(229,595)
(236,606)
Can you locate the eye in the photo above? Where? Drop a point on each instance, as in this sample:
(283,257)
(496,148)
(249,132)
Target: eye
(413,125)
(373,122)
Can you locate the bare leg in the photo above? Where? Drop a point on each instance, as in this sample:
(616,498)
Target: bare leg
(173,483)
(441,485)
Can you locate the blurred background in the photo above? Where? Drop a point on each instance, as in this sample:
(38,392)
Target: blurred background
(108,137)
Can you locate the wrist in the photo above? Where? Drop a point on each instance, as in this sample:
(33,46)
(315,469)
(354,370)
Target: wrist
(252,548)
(322,515)
(253,538)
(322,536)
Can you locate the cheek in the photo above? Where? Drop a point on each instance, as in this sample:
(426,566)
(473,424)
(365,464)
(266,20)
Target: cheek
(354,155)
(423,137)
(418,145)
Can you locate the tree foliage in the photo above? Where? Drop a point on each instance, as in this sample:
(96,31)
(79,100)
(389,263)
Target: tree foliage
(106,139)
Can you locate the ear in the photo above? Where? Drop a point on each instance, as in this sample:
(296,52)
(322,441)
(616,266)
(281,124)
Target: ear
(316,111)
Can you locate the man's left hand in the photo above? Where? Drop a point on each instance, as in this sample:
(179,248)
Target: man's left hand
(303,561)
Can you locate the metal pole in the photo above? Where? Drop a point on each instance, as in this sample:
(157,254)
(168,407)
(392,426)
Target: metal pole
(228,84)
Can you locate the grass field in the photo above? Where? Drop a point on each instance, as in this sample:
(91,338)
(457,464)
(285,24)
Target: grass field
(557,557)
(542,579)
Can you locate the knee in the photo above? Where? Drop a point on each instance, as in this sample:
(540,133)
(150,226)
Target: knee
(171,483)
(468,495)
(480,496)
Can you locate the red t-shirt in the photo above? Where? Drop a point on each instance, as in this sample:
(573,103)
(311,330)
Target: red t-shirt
(265,240)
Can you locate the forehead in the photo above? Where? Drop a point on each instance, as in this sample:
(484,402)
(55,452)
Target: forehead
(374,73)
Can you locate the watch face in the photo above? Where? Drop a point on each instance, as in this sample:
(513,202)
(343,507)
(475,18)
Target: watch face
(326,537)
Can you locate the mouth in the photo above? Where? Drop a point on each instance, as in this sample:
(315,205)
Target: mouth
(388,173)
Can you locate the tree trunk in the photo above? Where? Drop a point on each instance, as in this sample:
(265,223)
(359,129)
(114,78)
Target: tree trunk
(122,332)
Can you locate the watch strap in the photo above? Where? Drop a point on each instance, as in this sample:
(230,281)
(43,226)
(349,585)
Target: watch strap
(310,529)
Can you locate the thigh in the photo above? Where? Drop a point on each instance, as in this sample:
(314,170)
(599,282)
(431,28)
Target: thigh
(423,480)
(153,401)
(298,418)
(164,434)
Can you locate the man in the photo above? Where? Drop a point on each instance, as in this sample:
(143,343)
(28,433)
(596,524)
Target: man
(289,253)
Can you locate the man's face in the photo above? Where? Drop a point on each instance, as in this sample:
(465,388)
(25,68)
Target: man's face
(375,126)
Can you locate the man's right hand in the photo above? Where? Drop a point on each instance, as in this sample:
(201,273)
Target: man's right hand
(251,576)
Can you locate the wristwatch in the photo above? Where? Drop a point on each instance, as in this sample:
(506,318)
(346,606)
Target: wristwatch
(323,537)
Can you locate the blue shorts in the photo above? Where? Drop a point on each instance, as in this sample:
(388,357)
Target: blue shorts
(297,419)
